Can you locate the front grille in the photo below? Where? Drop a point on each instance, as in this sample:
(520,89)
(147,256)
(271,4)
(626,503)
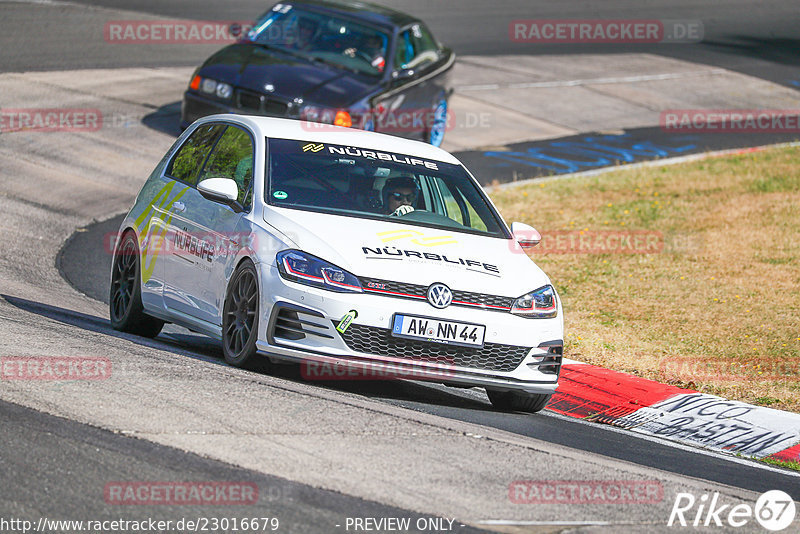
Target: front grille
(394,289)
(380,342)
(480,299)
(419,292)
(249,101)
(260,104)
(275,107)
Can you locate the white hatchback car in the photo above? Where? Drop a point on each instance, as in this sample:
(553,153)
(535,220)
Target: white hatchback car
(330,246)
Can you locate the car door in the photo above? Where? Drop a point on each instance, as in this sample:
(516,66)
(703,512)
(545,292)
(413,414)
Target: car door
(205,234)
(406,109)
(166,200)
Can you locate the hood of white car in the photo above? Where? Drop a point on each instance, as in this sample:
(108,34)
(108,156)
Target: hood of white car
(411,253)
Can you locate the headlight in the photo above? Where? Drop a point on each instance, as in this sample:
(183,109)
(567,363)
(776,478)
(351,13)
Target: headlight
(224,90)
(211,87)
(312,114)
(208,86)
(324,115)
(539,304)
(307,269)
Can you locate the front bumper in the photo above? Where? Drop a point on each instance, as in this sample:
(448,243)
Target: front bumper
(298,324)
(196,106)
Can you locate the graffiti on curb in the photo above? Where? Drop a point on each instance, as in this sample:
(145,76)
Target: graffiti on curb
(590,152)
(717,423)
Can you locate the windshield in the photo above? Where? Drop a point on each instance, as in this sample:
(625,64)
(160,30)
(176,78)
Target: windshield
(336,41)
(369,184)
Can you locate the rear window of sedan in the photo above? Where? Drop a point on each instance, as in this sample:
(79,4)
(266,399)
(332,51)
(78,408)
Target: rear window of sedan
(371,184)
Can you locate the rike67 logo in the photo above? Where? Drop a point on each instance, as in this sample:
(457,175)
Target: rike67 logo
(774,510)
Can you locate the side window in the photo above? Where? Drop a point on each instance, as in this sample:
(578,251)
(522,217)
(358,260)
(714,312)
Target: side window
(455,204)
(233,158)
(475,220)
(405,51)
(416,47)
(190,157)
(425,44)
(451,206)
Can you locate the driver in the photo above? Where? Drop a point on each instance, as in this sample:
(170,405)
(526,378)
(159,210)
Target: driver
(306,32)
(373,49)
(399,195)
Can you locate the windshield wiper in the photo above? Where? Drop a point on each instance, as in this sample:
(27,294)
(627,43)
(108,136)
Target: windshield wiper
(287,51)
(308,57)
(334,64)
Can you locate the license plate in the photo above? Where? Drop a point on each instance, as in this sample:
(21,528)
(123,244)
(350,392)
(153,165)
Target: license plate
(438,331)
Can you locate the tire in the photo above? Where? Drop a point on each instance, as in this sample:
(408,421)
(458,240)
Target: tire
(518,401)
(125,296)
(240,317)
(439,126)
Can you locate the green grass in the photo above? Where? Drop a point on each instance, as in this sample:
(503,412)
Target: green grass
(724,289)
(786,464)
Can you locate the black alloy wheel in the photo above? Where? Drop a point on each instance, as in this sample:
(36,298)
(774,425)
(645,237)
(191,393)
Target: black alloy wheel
(240,317)
(125,298)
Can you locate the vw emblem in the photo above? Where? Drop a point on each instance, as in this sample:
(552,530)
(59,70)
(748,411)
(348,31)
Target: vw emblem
(439,295)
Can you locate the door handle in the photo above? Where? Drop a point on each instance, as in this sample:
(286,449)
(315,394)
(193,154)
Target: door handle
(179,206)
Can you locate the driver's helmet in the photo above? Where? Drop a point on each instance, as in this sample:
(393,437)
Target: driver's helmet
(372,43)
(399,182)
(305,23)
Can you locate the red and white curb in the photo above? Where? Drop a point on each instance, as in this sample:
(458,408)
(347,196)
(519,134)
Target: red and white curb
(669,412)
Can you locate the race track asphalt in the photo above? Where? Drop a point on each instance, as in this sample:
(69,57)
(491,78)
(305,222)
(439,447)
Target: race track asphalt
(176,412)
(86,266)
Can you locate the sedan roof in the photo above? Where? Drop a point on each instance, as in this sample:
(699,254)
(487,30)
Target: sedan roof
(374,13)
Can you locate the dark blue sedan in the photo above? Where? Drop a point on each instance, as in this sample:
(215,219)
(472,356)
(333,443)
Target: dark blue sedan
(350,64)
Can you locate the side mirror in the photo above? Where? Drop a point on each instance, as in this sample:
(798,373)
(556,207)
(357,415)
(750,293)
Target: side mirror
(527,236)
(222,190)
(403,75)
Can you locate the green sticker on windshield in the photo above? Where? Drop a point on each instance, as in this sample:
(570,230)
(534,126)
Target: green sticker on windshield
(280,195)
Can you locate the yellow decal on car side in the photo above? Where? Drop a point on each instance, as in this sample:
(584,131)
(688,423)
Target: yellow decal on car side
(145,220)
